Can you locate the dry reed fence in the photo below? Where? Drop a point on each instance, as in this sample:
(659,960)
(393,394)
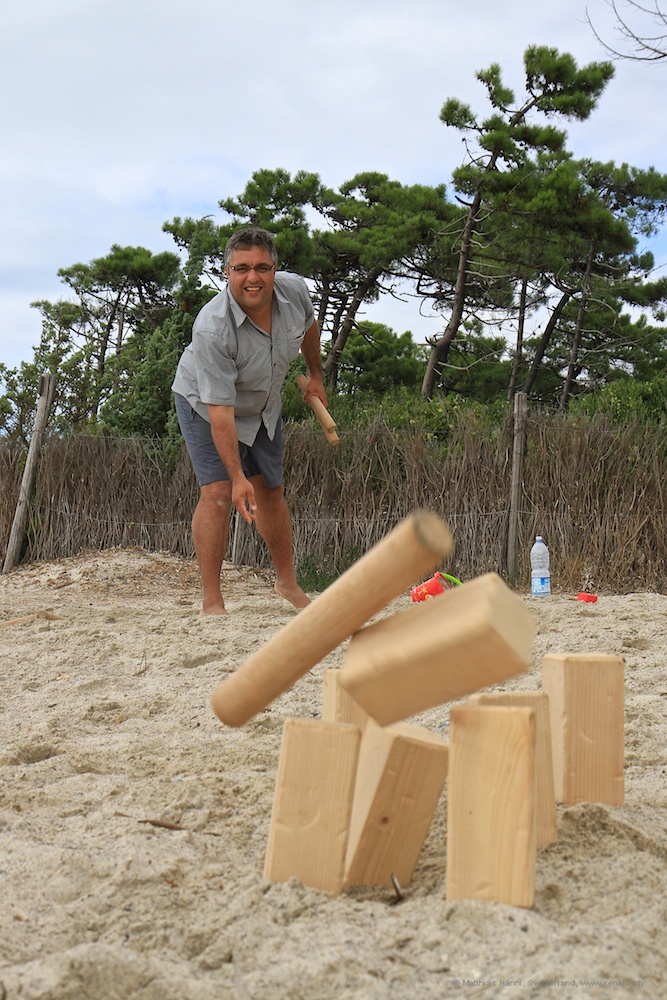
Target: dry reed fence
(594,490)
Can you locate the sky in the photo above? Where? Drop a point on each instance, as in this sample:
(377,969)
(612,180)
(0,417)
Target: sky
(119,115)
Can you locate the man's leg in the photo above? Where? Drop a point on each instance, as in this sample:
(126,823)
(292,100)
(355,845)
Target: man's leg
(210,530)
(275,526)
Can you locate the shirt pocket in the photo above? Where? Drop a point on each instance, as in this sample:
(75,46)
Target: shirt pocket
(292,341)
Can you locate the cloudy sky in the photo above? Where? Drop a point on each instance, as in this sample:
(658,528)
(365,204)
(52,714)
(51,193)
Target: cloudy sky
(118,115)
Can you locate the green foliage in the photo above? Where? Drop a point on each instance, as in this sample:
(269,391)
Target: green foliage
(18,404)
(113,351)
(376,359)
(478,366)
(558,85)
(276,201)
(625,400)
(143,399)
(405,409)
(145,275)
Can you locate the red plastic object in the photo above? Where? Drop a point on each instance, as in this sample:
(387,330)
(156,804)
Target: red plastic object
(589,598)
(431,588)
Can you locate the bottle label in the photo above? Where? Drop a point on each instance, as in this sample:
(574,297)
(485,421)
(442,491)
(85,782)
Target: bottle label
(541,586)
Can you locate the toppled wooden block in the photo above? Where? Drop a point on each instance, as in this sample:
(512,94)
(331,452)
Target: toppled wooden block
(312,803)
(337,705)
(586,705)
(545,798)
(491,804)
(465,639)
(400,777)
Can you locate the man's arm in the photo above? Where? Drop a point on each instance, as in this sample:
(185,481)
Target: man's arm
(310,348)
(225,438)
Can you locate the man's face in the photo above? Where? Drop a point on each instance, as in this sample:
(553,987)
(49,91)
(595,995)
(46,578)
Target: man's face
(252,290)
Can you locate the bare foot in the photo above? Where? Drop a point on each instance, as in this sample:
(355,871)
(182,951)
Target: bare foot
(214,608)
(293,594)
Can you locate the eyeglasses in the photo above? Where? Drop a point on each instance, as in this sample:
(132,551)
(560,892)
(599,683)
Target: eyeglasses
(246,269)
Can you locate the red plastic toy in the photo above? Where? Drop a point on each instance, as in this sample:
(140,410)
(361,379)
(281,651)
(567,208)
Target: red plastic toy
(436,585)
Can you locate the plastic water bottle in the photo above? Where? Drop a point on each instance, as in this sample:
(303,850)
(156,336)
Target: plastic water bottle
(539,562)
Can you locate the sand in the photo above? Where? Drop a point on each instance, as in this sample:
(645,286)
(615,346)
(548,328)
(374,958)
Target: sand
(133,824)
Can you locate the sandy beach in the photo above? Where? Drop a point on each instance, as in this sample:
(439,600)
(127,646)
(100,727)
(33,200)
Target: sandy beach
(133,824)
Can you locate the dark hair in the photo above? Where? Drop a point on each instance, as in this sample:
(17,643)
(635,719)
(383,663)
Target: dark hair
(246,239)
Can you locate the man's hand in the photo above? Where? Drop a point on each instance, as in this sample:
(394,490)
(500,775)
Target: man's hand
(314,400)
(314,387)
(243,498)
(223,429)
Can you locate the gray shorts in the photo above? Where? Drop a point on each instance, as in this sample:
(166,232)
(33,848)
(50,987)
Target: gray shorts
(262,458)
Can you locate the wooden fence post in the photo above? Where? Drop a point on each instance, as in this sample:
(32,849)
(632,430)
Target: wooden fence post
(47,385)
(517,478)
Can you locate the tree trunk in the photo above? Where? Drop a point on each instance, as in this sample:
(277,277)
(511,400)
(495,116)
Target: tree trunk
(576,339)
(330,367)
(544,342)
(440,350)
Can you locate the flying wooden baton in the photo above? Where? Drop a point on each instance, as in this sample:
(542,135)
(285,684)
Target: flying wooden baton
(412,549)
(320,411)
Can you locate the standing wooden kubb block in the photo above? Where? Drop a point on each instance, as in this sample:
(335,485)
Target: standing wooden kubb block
(337,705)
(545,798)
(586,704)
(312,803)
(491,841)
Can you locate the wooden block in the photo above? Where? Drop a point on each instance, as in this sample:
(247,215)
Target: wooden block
(465,639)
(337,705)
(586,704)
(312,803)
(400,777)
(545,798)
(491,805)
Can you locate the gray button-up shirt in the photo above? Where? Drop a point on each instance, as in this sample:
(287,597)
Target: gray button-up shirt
(231,362)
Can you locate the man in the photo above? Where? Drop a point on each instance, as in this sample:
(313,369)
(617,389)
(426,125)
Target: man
(227,394)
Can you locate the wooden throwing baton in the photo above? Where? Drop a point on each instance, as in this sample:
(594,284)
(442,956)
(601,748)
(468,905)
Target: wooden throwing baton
(321,412)
(414,547)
